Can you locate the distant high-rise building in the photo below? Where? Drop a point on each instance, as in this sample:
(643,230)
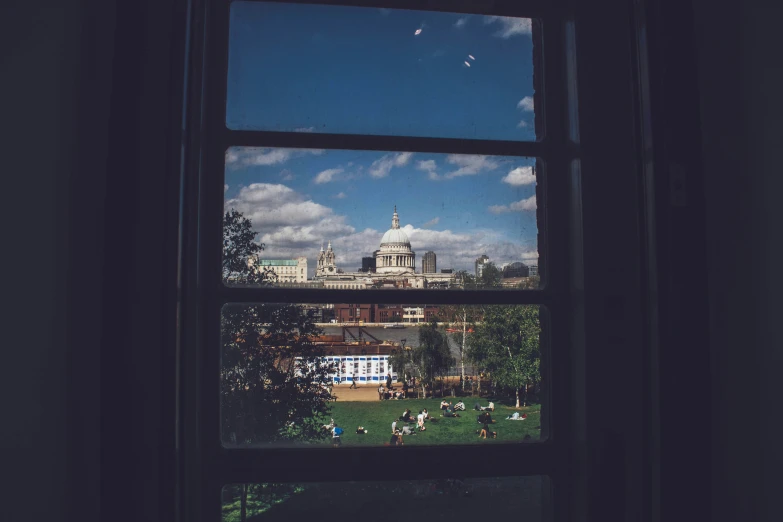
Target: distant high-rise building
(428,263)
(481,262)
(368,264)
(533,270)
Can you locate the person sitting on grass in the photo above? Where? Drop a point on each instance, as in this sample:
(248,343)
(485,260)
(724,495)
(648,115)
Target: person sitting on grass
(485,418)
(450,413)
(420,421)
(408,430)
(361,431)
(406,416)
(517,416)
(444,405)
(490,407)
(486,432)
(396,440)
(394,427)
(426,414)
(460,406)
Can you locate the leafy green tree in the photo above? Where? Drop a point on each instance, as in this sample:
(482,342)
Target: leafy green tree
(272,378)
(490,276)
(427,360)
(465,317)
(274,383)
(465,279)
(241,253)
(507,344)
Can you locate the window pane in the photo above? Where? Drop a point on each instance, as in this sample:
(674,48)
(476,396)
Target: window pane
(356,70)
(506,498)
(351,219)
(382,375)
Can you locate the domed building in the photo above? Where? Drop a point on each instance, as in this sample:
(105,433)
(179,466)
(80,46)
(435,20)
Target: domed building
(395,255)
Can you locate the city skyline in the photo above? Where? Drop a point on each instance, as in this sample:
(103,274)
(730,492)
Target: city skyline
(299,199)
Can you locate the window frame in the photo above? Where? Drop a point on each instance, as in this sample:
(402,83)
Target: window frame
(208,465)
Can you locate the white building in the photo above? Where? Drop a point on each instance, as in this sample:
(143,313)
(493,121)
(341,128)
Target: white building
(395,255)
(395,266)
(286,270)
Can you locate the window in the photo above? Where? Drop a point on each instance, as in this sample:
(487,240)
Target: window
(264,135)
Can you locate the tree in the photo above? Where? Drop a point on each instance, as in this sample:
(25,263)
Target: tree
(466,316)
(490,276)
(241,253)
(506,343)
(465,279)
(431,357)
(272,375)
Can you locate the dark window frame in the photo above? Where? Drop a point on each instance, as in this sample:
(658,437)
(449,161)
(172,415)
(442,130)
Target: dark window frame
(208,466)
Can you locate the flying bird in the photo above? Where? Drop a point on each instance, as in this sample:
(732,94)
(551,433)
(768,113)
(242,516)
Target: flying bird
(417,33)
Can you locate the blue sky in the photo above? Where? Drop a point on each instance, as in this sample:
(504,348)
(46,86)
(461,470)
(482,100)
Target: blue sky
(358,70)
(354,70)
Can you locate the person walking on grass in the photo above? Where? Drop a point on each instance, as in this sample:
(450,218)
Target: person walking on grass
(388,381)
(353,383)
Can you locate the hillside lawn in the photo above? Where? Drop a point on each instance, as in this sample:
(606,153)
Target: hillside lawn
(376,417)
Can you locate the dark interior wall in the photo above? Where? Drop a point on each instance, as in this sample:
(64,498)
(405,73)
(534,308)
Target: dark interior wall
(53,115)
(741,81)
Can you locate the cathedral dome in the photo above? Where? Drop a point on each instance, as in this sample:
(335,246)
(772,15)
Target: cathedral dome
(395,236)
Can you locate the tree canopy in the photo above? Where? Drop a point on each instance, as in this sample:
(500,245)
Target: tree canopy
(506,343)
(272,378)
(427,360)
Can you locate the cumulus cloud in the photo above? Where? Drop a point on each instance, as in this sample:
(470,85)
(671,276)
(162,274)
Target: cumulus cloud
(326,176)
(431,223)
(430,167)
(461,22)
(341,195)
(381,167)
(526,104)
(239,157)
(225,188)
(469,164)
(517,206)
(286,175)
(522,124)
(290,224)
(510,26)
(520,176)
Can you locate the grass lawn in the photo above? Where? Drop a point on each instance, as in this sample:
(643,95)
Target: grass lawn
(377,417)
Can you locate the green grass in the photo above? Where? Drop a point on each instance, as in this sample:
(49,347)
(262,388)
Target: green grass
(376,417)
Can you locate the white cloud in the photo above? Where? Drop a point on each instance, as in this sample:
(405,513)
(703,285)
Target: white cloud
(305,129)
(522,124)
(238,157)
(510,26)
(428,166)
(431,223)
(286,175)
(517,206)
(291,224)
(526,104)
(381,167)
(341,195)
(520,176)
(469,164)
(461,22)
(225,188)
(326,176)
